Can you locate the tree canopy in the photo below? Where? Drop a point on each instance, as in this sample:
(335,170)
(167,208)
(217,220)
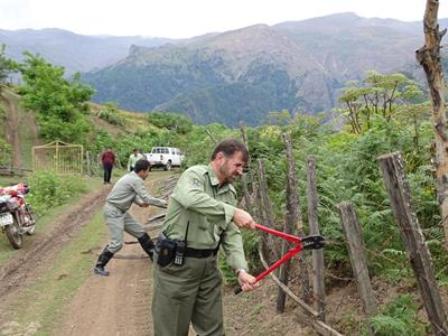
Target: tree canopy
(61,104)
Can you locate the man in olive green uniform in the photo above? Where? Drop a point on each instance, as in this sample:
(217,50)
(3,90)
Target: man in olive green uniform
(202,215)
(128,189)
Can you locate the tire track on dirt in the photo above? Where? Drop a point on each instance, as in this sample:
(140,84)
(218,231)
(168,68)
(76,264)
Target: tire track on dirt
(16,273)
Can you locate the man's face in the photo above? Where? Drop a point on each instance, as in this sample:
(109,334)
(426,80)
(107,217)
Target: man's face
(143,173)
(231,167)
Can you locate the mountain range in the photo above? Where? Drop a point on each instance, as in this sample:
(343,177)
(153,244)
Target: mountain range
(242,75)
(77,53)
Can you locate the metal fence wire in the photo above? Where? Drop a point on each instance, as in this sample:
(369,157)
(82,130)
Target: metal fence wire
(59,157)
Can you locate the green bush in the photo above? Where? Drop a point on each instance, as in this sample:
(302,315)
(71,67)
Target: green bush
(173,121)
(5,153)
(399,318)
(50,190)
(110,114)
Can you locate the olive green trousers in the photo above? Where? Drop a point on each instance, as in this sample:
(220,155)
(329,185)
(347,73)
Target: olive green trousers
(191,292)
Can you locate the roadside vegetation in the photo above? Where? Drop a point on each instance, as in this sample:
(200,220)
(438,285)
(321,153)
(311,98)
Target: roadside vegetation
(380,114)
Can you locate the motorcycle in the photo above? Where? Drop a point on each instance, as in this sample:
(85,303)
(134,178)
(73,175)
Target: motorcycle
(16,215)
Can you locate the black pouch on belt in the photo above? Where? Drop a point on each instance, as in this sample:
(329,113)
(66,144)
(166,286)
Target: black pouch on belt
(166,249)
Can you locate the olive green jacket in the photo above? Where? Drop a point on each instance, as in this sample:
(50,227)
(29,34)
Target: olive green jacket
(206,208)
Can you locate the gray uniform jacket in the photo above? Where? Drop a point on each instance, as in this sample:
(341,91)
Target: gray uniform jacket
(129,189)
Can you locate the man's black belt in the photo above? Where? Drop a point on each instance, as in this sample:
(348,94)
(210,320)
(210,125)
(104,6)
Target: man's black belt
(196,253)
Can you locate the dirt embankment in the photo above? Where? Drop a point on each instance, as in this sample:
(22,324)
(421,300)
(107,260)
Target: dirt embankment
(20,128)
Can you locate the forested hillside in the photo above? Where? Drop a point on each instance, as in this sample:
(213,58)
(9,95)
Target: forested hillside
(234,76)
(243,75)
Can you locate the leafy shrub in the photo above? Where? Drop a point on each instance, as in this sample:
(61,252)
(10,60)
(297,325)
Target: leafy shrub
(110,114)
(49,190)
(173,121)
(399,318)
(5,153)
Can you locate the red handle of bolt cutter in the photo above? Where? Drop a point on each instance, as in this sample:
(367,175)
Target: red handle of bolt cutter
(288,237)
(288,255)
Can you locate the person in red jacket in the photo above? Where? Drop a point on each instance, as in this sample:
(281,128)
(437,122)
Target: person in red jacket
(108,161)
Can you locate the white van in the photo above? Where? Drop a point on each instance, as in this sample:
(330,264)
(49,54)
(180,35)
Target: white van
(166,157)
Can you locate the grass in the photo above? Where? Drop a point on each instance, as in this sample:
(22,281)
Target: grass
(41,305)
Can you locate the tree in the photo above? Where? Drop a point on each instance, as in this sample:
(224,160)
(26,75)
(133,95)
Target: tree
(6,65)
(61,105)
(429,58)
(377,94)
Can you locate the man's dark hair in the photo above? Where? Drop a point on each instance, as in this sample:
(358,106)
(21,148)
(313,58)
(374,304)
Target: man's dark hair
(140,165)
(229,147)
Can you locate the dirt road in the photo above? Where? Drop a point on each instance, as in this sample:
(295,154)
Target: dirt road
(119,305)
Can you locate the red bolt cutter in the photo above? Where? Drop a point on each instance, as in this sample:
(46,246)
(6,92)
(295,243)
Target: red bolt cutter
(308,242)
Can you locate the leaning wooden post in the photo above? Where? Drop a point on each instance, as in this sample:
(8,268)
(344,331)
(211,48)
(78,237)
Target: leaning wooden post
(353,235)
(394,179)
(257,202)
(268,213)
(293,219)
(318,255)
(246,180)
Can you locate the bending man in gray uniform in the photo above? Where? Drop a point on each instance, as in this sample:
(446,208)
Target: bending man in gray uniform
(128,189)
(201,216)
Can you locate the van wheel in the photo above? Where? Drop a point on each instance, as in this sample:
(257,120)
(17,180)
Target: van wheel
(168,166)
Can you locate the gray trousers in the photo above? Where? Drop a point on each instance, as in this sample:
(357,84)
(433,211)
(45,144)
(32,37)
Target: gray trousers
(118,222)
(191,292)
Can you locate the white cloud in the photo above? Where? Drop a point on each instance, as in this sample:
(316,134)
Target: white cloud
(183,18)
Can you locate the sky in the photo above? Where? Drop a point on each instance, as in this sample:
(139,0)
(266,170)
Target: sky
(188,18)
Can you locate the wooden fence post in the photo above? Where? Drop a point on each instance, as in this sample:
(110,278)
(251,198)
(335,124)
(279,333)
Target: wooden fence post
(353,235)
(293,219)
(318,255)
(394,179)
(246,178)
(266,209)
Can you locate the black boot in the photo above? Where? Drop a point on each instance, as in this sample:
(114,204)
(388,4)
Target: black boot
(147,245)
(103,259)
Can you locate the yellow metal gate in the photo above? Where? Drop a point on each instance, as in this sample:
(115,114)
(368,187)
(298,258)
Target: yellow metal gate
(59,157)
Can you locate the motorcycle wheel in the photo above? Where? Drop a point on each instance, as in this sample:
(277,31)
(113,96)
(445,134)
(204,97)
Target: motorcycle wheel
(31,230)
(13,234)
(32,218)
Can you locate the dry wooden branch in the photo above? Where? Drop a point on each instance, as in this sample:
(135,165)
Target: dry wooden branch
(429,58)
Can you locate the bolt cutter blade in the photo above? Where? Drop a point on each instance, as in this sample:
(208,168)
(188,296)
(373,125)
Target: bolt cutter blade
(313,242)
(300,243)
